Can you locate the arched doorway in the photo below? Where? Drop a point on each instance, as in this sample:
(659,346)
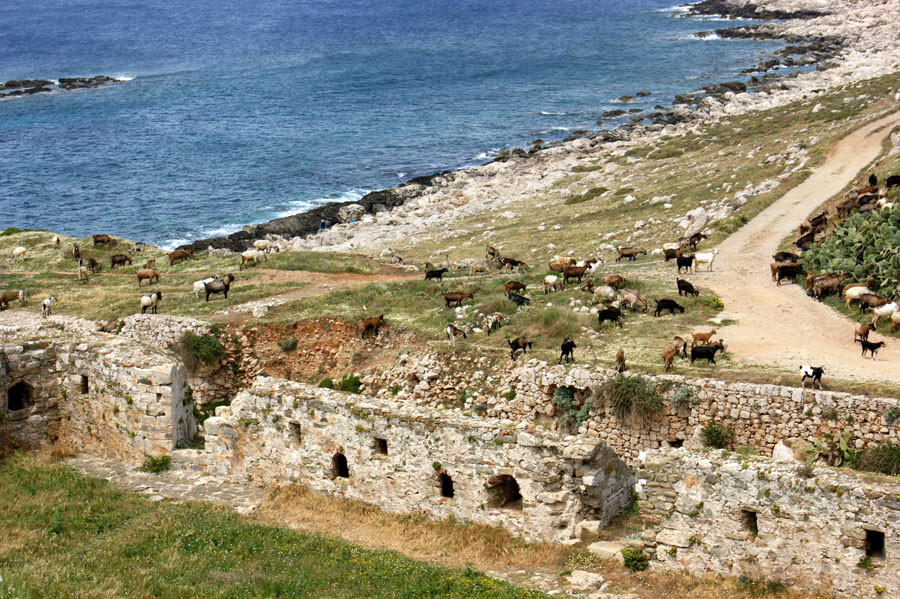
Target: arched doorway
(339,466)
(18,396)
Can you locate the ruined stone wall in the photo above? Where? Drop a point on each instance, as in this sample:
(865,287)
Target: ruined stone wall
(760,415)
(28,395)
(402,458)
(751,516)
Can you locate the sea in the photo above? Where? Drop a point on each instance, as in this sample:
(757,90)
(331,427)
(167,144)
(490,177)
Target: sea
(232,112)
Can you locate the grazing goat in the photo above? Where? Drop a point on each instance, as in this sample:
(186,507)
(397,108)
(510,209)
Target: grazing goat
(45,306)
(671,254)
(614,281)
(686,288)
(200,286)
(620,361)
(23,297)
(785,257)
(371,324)
(150,263)
(493,321)
(457,297)
(254,255)
(179,255)
(519,300)
(871,347)
(812,372)
(574,272)
(588,286)
(611,314)
(93,265)
(552,283)
(17,254)
(513,286)
(892,181)
(668,354)
(632,300)
(680,344)
(6,298)
(873,180)
(787,271)
(55,242)
(119,259)
(147,273)
(264,245)
(694,239)
(828,285)
(476,266)
(630,253)
(707,352)
(804,242)
(150,301)
(567,350)
(103,240)
(702,338)
(137,248)
(667,304)
(511,264)
(885,310)
(854,293)
(559,263)
(685,262)
(603,293)
(862,331)
(517,344)
(895,320)
(453,332)
(219,286)
(705,258)
(491,254)
(435,274)
(870,300)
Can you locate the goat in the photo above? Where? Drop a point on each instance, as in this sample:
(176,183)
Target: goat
(17,254)
(103,240)
(671,254)
(147,273)
(435,274)
(476,266)
(456,296)
(179,255)
(371,324)
(812,372)
(55,242)
(567,350)
(620,361)
(804,242)
(828,285)
(200,286)
(892,181)
(23,297)
(254,255)
(630,253)
(519,300)
(854,293)
(668,354)
(559,263)
(785,257)
(83,273)
(873,180)
(6,298)
(150,301)
(694,239)
(119,259)
(702,338)
(76,252)
(685,262)
(513,286)
(93,265)
(264,245)
(686,288)
(517,344)
(453,332)
(895,320)
(574,272)
(632,300)
(511,264)
(492,321)
(705,258)
(587,285)
(667,304)
(150,263)
(680,344)
(871,347)
(870,300)
(45,306)
(885,310)
(603,293)
(491,254)
(218,286)
(862,331)
(707,352)
(787,271)
(614,281)
(137,248)
(611,314)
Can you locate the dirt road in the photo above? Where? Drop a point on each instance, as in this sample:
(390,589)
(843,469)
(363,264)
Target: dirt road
(781,326)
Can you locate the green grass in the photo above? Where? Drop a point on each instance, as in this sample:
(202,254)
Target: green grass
(67,535)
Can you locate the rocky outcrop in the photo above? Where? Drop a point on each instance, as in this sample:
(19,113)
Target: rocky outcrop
(736,9)
(22,87)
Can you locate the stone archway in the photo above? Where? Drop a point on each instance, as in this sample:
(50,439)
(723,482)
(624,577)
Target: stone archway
(18,396)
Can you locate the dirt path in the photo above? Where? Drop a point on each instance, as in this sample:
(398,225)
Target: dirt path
(779,325)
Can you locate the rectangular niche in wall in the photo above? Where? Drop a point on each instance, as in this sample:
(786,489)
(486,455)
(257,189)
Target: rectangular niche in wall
(750,522)
(380,446)
(875,544)
(296,434)
(84,384)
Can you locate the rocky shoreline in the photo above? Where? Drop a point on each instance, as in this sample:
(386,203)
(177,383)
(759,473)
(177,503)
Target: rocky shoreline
(846,41)
(27,87)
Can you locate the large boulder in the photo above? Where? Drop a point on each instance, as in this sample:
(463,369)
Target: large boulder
(350,213)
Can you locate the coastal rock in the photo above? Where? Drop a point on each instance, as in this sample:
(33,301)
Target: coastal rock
(350,213)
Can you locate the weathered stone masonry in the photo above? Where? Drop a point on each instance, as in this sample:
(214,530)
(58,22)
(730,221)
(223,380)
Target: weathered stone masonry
(411,459)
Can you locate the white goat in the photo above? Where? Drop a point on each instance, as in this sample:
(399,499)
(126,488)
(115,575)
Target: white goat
(23,297)
(253,255)
(604,293)
(55,242)
(17,254)
(854,293)
(150,301)
(705,258)
(885,310)
(45,306)
(264,245)
(200,286)
(552,283)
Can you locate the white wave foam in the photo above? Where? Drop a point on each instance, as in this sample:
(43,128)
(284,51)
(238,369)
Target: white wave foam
(549,113)
(124,78)
(708,36)
(401,175)
(560,128)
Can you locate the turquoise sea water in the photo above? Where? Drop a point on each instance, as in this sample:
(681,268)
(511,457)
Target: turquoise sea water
(238,111)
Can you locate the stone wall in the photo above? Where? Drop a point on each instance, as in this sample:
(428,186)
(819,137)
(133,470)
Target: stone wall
(418,460)
(28,395)
(755,517)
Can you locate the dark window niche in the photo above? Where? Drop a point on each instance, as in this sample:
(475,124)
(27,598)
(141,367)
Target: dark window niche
(380,446)
(18,396)
(751,523)
(339,466)
(85,386)
(875,544)
(447,485)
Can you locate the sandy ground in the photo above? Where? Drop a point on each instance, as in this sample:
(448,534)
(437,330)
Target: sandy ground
(781,325)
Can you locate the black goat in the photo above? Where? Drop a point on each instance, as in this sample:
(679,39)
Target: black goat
(611,314)
(707,352)
(519,300)
(667,304)
(686,288)
(871,347)
(892,181)
(568,350)
(435,274)
(785,257)
(685,262)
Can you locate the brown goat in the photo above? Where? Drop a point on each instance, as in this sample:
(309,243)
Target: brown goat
(668,353)
(620,361)
(456,296)
(702,338)
(862,331)
(828,285)
(150,263)
(147,273)
(371,324)
(680,344)
(574,272)
(671,254)
(179,255)
(614,281)
(513,286)
(870,300)
(559,264)
(630,253)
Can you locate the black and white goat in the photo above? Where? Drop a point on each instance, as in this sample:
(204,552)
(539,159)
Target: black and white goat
(812,372)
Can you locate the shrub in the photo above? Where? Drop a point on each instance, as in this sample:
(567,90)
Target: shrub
(156,465)
(635,559)
(890,415)
(196,349)
(592,193)
(884,459)
(326,383)
(349,383)
(634,396)
(714,302)
(683,398)
(571,416)
(287,343)
(717,436)
(553,322)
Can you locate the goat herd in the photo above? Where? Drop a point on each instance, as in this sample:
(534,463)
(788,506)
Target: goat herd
(612,295)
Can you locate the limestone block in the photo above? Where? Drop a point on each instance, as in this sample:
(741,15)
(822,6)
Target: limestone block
(782,453)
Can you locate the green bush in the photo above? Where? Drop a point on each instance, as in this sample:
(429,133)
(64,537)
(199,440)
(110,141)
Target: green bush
(349,383)
(593,193)
(890,415)
(714,302)
(326,383)
(287,343)
(156,465)
(717,436)
(632,396)
(683,398)
(635,559)
(571,416)
(196,349)
(884,459)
